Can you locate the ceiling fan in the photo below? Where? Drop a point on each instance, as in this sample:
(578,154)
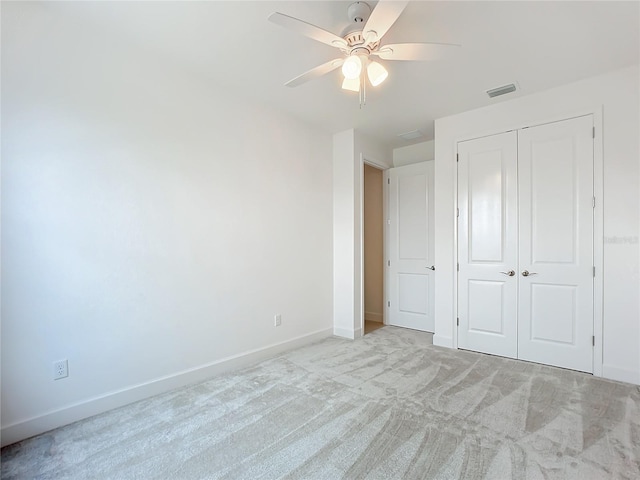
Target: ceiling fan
(359,43)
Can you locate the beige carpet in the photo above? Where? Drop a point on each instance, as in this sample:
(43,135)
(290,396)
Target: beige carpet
(387,406)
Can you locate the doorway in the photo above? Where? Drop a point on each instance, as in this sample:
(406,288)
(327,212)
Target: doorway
(373,255)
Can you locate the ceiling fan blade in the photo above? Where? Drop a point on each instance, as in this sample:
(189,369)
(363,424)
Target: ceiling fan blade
(308,30)
(385,14)
(315,72)
(414,51)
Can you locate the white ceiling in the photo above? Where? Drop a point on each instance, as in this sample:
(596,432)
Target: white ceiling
(539,45)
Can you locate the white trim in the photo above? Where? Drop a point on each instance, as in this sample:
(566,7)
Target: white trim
(620,374)
(344,333)
(94,406)
(373,163)
(385,246)
(598,242)
(454,320)
(441,341)
(360,321)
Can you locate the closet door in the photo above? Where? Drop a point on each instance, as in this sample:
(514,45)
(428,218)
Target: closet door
(488,244)
(555,314)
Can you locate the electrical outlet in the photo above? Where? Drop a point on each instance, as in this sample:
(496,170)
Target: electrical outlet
(277,320)
(60,369)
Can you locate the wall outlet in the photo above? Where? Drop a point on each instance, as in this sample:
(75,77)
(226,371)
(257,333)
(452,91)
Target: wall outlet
(277,320)
(60,369)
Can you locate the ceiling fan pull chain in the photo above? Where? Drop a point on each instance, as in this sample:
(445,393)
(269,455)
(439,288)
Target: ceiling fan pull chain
(364,89)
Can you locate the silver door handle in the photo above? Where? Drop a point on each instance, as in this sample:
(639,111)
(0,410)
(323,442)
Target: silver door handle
(432,267)
(526,273)
(510,273)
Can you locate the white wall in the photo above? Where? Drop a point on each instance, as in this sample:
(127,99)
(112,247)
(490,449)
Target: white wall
(350,150)
(151,225)
(616,95)
(344,231)
(419,152)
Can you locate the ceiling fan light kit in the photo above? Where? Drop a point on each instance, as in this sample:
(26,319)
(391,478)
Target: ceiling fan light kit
(352,84)
(359,41)
(376,73)
(352,67)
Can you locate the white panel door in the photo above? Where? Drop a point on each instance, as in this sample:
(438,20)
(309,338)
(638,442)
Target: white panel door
(487,244)
(555,163)
(410,253)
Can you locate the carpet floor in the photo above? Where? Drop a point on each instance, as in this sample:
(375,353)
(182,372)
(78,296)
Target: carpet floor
(387,406)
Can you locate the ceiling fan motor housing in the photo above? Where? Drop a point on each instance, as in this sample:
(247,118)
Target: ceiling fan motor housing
(358,12)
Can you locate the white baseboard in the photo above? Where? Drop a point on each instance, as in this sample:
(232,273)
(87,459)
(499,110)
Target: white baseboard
(621,374)
(440,341)
(373,317)
(94,406)
(344,333)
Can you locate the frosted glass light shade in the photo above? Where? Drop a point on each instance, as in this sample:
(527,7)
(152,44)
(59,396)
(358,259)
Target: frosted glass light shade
(352,67)
(377,73)
(352,84)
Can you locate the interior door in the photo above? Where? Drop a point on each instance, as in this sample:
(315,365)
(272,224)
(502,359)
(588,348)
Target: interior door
(411,270)
(487,244)
(556,244)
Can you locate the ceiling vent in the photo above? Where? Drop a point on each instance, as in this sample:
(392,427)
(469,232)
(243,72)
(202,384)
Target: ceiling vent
(411,135)
(496,92)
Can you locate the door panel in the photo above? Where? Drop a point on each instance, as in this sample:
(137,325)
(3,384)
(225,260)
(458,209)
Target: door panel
(555,188)
(551,184)
(556,304)
(410,280)
(486,307)
(411,297)
(487,244)
(486,199)
(412,205)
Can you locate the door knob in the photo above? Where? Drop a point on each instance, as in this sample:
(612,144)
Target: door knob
(510,273)
(432,267)
(527,273)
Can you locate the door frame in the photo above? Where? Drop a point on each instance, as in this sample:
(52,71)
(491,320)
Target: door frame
(598,221)
(385,194)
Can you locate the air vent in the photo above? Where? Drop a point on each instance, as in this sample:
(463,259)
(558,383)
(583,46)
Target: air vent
(411,135)
(496,92)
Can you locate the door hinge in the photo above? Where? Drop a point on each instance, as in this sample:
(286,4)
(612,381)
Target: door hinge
(458,266)
(457,157)
(594,272)
(593,202)
(388,181)
(388,304)
(593,341)
(388,263)
(458,322)
(593,132)
(457,212)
